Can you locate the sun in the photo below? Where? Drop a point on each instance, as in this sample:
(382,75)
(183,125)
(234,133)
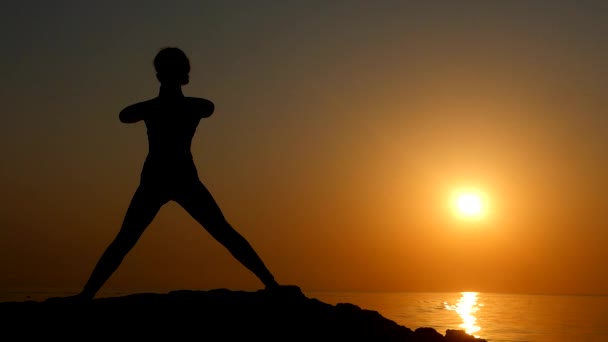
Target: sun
(469,204)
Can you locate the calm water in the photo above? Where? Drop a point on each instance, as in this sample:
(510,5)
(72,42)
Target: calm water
(494,317)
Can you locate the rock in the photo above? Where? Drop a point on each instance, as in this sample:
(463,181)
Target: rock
(428,335)
(285,314)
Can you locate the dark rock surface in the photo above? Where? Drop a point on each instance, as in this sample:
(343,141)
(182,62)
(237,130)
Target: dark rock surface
(214,315)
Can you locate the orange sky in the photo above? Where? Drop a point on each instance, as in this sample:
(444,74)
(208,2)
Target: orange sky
(340,133)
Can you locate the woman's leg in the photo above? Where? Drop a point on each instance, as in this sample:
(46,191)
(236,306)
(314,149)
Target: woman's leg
(142,210)
(199,203)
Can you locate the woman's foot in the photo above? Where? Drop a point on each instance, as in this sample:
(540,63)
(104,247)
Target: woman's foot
(284,291)
(271,284)
(75,299)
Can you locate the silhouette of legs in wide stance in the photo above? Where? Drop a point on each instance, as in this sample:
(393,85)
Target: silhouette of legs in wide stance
(199,203)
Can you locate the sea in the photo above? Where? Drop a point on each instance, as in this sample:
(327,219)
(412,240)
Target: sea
(495,317)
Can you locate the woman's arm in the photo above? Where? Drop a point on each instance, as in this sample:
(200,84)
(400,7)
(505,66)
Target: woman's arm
(202,107)
(133,113)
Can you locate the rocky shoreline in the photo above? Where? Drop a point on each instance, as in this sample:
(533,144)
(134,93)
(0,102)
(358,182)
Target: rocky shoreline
(214,315)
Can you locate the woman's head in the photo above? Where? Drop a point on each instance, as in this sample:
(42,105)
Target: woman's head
(172,66)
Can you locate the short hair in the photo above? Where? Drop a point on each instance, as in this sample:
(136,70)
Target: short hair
(172,65)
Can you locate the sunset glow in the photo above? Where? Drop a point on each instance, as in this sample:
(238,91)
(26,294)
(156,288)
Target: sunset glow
(356,145)
(469,204)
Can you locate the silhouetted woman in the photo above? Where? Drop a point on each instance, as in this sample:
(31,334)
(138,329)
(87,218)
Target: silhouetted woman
(169,174)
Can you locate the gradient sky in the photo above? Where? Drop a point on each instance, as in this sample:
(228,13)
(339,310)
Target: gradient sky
(341,130)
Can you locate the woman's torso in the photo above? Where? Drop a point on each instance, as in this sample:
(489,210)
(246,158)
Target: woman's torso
(171,125)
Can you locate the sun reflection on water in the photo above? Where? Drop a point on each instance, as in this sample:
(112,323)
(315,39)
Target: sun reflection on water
(466,307)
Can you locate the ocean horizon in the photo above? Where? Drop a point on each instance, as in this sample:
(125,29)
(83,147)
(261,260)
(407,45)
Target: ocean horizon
(496,317)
